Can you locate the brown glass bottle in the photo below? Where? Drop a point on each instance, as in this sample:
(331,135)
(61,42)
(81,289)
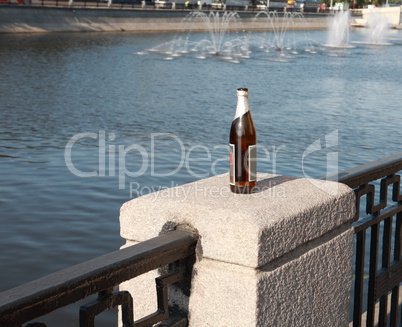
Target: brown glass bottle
(242,147)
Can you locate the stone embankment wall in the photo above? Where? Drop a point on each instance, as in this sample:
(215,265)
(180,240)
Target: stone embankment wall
(15,19)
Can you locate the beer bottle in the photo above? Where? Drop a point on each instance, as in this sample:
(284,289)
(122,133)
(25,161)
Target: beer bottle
(242,147)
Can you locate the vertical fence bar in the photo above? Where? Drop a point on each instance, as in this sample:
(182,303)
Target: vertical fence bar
(386,257)
(359,278)
(394,306)
(372,275)
(396,196)
(394,317)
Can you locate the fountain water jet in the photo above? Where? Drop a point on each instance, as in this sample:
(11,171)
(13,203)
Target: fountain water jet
(279,30)
(280,38)
(378,27)
(217,25)
(338,30)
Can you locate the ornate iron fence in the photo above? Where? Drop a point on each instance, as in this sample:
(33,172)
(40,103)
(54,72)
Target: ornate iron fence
(101,275)
(378,265)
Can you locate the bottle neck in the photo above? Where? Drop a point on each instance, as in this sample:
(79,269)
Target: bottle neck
(242,105)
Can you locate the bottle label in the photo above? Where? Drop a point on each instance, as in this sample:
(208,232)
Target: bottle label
(250,161)
(232,164)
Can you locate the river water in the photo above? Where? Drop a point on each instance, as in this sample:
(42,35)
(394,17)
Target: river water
(89,121)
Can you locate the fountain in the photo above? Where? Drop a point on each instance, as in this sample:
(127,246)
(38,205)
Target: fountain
(338,30)
(218,42)
(283,37)
(217,25)
(378,27)
(227,40)
(224,38)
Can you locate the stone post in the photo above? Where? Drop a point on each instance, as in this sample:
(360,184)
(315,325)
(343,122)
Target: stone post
(279,257)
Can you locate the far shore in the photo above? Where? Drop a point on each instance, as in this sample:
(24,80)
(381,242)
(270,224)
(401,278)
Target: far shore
(35,19)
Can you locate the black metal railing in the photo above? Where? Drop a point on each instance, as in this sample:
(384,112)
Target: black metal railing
(100,276)
(378,265)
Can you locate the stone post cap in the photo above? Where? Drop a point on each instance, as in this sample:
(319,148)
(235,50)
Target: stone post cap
(245,229)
